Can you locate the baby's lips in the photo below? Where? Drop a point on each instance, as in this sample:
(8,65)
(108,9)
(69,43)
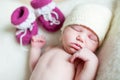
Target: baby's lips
(76,46)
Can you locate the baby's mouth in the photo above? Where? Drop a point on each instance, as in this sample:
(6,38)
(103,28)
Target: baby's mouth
(76,46)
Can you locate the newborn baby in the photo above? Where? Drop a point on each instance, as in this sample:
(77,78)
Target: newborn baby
(82,33)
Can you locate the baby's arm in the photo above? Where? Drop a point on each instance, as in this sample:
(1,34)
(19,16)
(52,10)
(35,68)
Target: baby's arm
(37,43)
(90,64)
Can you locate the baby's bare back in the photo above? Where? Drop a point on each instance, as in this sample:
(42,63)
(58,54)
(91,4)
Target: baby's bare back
(54,65)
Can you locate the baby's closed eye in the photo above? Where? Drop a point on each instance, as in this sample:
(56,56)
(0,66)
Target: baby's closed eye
(92,37)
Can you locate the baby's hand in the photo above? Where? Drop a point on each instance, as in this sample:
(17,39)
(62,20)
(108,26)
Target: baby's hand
(84,54)
(38,41)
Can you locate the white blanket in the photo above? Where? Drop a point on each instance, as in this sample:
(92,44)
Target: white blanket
(109,54)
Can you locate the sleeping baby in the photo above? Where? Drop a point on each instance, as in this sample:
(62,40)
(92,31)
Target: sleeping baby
(74,59)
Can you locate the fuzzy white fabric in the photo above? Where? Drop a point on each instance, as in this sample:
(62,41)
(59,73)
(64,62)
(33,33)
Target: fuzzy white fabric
(14,60)
(109,54)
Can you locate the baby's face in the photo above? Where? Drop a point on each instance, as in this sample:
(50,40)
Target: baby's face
(76,37)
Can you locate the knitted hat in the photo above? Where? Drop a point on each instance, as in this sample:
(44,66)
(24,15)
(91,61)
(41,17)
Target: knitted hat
(95,17)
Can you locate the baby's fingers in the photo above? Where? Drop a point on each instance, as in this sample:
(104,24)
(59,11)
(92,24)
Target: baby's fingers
(73,57)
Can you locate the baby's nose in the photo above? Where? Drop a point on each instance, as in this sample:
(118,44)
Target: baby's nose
(80,38)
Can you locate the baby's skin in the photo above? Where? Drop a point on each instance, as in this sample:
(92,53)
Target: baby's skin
(56,64)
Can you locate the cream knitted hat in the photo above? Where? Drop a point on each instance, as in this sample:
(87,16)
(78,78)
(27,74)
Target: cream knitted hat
(95,17)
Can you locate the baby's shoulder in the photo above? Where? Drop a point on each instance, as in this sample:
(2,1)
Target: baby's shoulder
(53,47)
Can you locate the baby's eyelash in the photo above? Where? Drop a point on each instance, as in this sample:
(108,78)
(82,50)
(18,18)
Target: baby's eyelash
(92,37)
